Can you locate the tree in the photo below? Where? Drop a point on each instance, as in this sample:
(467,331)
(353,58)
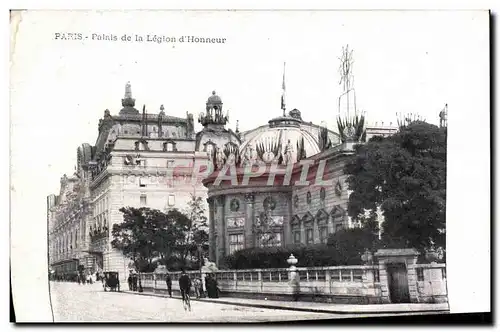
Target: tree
(405,176)
(350,244)
(196,229)
(146,234)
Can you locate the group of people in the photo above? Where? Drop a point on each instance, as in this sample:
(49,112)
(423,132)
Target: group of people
(186,285)
(132,282)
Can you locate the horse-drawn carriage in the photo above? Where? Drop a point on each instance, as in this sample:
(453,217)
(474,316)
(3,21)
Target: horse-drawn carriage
(111,281)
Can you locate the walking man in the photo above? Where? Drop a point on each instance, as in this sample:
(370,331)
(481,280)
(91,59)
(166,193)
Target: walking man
(169,285)
(185,286)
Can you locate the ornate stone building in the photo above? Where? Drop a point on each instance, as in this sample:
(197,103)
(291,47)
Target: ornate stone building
(289,184)
(139,159)
(68,216)
(287,188)
(285,183)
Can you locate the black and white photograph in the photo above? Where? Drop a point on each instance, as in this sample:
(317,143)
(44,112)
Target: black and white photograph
(219,166)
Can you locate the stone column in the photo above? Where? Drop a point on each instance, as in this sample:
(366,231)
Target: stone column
(249,220)
(212,245)
(287,228)
(221,229)
(303,238)
(316,231)
(384,281)
(330,224)
(412,278)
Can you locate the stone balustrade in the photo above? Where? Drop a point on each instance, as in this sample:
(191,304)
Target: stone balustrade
(336,284)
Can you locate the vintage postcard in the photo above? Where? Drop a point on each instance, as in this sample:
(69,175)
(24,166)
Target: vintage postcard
(242,166)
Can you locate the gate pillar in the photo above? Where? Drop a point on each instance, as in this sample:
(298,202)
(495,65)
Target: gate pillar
(408,257)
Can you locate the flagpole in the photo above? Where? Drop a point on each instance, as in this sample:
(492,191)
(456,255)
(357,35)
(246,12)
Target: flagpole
(283,106)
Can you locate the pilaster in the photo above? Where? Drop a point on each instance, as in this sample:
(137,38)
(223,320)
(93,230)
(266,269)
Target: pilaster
(212,244)
(249,220)
(221,228)
(287,228)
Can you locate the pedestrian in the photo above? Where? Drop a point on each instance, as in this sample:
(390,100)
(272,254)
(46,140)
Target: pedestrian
(135,282)
(196,285)
(169,284)
(216,287)
(211,286)
(129,280)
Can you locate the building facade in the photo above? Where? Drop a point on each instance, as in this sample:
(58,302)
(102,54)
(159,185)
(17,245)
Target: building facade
(148,159)
(288,188)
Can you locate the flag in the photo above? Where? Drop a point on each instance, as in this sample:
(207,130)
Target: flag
(283,91)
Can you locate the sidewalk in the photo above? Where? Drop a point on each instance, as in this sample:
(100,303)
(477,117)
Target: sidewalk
(329,308)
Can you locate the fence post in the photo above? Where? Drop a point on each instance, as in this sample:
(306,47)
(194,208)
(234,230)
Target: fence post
(294,277)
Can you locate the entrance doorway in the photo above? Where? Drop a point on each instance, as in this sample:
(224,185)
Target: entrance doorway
(398,283)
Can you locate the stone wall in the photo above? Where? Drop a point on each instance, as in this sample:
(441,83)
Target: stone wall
(338,284)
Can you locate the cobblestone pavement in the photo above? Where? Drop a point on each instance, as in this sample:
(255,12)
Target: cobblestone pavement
(72,302)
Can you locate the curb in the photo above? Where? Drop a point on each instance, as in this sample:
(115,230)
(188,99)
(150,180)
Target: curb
(279,307)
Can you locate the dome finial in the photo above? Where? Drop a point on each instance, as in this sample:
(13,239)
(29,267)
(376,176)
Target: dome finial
(128,102)
(162,108)
(213,92)
(128,90)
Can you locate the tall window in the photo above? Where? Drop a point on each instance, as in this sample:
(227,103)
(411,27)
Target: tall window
(144,200)
(296,237)
(171,200)
(235,242)
(169,146)
(309,236)
(323,234)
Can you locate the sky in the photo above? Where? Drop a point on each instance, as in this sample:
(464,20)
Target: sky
(412,62)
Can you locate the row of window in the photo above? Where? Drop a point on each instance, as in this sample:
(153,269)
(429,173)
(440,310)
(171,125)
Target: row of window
(143,200)
(236,241)
(100,206)
(309,234)
(143,162)
(179,132)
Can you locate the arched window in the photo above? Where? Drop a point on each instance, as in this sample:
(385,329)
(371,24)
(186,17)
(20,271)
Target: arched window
(169,146)
(297,238)
(322,220)
(308,221)
(338,217)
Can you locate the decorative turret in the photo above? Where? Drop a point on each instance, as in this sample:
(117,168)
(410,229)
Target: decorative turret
(295,113)
(351,124)
(324,142)
(443,117)
(128,102)
(213,115)
(106,122)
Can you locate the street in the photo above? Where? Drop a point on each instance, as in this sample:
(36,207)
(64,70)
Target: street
(72,302)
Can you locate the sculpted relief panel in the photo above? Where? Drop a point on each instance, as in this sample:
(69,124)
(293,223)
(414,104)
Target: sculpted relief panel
(235,222)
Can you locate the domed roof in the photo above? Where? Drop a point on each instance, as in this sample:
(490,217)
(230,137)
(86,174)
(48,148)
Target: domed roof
(214,99)
(283,134)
